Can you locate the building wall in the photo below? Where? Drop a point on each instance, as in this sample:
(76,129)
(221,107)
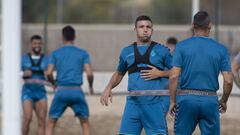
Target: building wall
(104,42)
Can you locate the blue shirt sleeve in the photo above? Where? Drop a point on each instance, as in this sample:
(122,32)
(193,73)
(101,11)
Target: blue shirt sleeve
(177,57)
(122,66)
(52,59)
(86,58)
(225,61)
(237,58)
(25,63)
(168,59)
(45,63)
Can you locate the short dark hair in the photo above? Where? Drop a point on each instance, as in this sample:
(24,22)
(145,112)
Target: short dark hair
(201,20)
(172,40)
(68,33)
(142,18)
(37,37)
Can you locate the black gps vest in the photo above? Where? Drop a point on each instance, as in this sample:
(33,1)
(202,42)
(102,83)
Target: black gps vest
(36,67)
(141,59)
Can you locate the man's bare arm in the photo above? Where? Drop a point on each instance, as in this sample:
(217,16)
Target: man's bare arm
(227,88)
(107,93)
(173,82)
(89,72)
(235,70)
(154,73)
(49,74)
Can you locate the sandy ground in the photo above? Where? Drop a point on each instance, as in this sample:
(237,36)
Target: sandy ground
(106,120)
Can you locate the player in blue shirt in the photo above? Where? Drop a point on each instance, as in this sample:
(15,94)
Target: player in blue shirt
(69,63)
(199,59)
(235,69)
(144,106)
(34,96)
(171,44)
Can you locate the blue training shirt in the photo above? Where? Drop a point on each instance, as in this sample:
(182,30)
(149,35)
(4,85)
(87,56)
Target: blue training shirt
(201,59)
(26,64)
(69,63)
(159,56)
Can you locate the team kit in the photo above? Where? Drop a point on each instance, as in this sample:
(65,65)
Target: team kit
(175,79)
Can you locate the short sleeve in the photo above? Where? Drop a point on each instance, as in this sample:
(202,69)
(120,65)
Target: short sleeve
(177,57)
(86,58)
(122,66)
(168,59)
(25,63)
(52,59)
(225,61)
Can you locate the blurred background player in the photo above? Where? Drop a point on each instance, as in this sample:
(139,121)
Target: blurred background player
(235,69)
(69,63)
(34,65)
(171,44)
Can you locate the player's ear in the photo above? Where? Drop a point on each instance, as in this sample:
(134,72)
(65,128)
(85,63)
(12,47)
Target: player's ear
(210,25)
(192,26)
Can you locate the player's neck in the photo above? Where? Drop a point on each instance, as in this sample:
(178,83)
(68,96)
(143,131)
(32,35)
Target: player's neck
(34,54)
(68,42)
(201,33)
(144,43)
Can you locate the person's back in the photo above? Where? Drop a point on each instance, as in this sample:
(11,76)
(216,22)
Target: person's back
(203,58)
(69,63)
(199,60)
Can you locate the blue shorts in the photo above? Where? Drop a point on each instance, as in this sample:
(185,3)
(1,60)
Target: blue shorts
(69,98)
(33,95)
(151,117)
(196,109)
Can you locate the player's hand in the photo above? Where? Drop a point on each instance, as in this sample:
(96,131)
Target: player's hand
(27,73)
(54,87)
(222,107)
(107,93)
(172,109)
(150,74)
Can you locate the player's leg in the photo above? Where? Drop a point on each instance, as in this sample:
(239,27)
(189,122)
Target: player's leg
(85,126)
(131,123)
(209,123)
(57,108)
(41,112)
(186,118)
(51,126)
(27,116)
(153,117)
(80,108)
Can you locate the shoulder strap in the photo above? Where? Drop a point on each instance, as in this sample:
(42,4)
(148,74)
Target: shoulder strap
(38,64)
(40,60)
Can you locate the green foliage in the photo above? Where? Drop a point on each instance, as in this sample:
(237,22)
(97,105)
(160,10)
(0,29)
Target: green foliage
(108,11)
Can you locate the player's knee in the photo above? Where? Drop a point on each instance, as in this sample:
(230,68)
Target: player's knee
(27,119)
(84,121)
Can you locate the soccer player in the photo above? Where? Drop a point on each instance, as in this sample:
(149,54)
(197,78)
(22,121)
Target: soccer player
(144,106)
(199,59)
(69,62)
(171,44)
(235,69)
(34,65)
